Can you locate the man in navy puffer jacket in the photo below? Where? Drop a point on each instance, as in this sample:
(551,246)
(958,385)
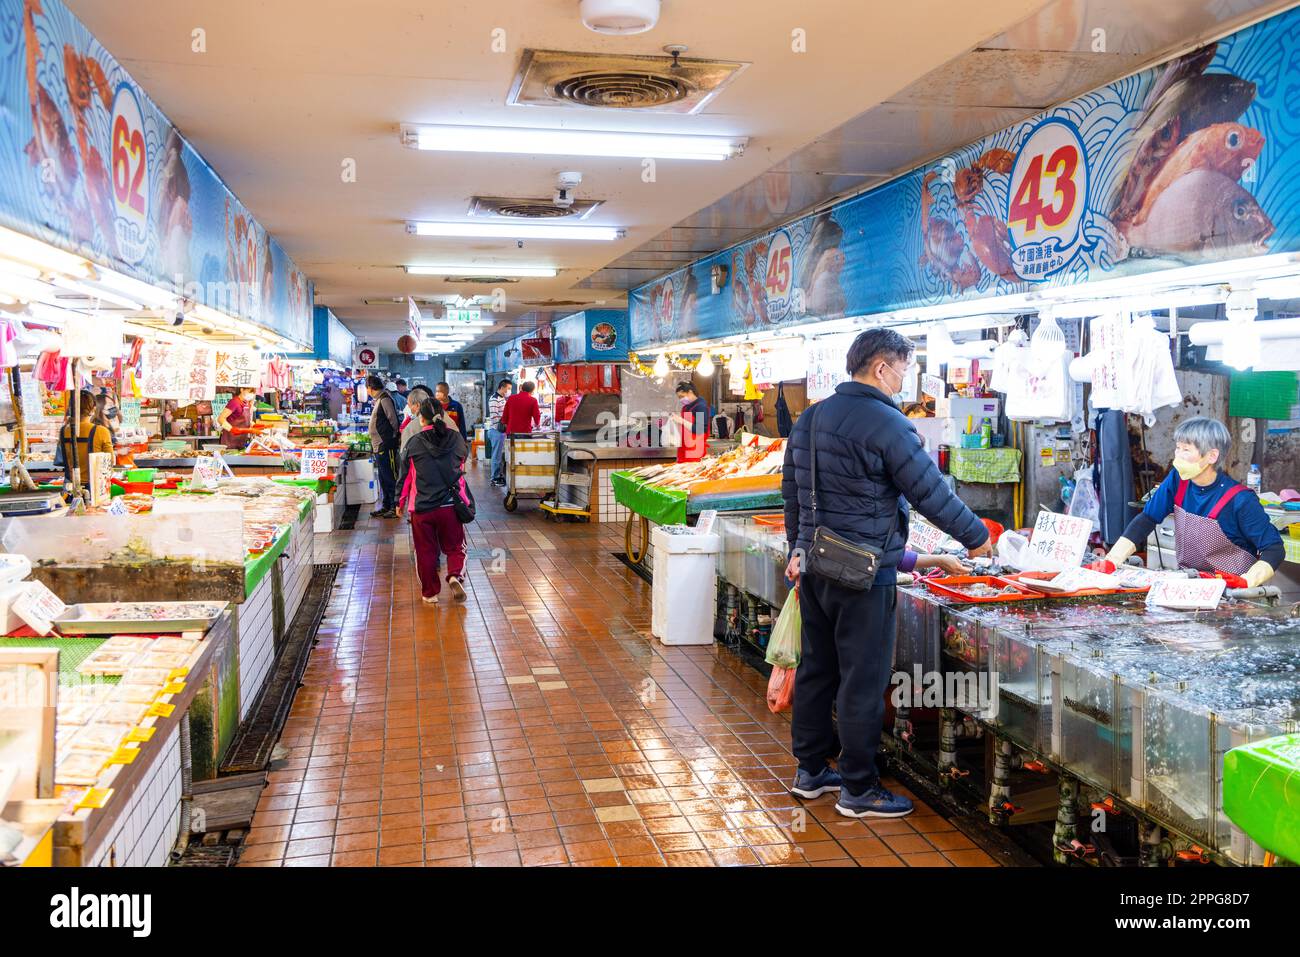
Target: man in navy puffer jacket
(870,464)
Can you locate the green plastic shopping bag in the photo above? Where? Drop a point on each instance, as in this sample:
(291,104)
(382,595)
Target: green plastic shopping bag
(786,643)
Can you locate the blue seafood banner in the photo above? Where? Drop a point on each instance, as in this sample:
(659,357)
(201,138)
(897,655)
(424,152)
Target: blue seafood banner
(88,163)
(595,335)
(1197,160)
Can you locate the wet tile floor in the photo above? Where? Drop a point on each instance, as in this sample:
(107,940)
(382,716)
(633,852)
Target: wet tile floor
(539,724)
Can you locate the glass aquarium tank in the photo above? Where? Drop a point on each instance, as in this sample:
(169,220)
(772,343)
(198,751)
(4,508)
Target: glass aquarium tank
(917,621)
(753,558)
(1188,726)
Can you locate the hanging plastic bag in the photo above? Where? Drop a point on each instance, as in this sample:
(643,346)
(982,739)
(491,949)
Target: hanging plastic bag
(786,643)
(1013,550)
(1084,502)
(780,690)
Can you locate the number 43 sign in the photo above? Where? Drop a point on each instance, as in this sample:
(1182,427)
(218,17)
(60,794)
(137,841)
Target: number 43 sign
(1048,200)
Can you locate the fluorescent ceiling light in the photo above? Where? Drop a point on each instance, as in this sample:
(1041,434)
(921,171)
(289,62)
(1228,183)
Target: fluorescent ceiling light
(455,323)
(143,292)
(494,139)
(514,231)
(42,255)
(92,292)
(504,270)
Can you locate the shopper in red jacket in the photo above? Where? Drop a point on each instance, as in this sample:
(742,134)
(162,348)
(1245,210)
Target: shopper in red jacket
(522,413)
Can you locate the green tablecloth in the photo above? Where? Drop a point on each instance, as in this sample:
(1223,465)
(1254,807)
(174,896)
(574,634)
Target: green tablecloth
(989,466)
(662,506)
(256,566)
(323,486)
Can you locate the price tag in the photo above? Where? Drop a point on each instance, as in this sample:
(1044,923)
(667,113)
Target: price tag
(94,799)
(129,408)
(177,673)
(1187,593)
(118,507)
(139,735)
(314,463)
(173,687)
(160,709)
(33,407)
(704,525)
(124,755)
(1079,579)
(206,472)
(932,385)
(38,607)
(1058,542)
(924,539)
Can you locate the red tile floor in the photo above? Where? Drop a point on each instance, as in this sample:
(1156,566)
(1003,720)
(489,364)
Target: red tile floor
(539,724)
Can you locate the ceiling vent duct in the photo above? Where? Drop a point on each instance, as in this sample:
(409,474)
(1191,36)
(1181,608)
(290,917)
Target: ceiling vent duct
(656,84)
(499,207)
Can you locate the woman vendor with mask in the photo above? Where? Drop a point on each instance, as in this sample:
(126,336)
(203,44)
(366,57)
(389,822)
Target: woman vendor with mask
(1219,526)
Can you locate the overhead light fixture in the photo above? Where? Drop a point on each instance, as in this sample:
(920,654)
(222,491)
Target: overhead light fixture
(143,292)
(661,365)
(505,270)
(497,139)
(514,231)
(705,368)
(619,17)
(33,252)
(92,292)
(456,323)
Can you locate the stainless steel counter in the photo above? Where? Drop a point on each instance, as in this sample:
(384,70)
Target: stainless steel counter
(616,452)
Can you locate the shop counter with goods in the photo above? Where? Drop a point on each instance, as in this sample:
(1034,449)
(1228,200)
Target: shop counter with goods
(129,709)
(248,541)
(744,478)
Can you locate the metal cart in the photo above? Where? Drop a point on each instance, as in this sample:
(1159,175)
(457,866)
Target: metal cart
(573,478)
(530,467)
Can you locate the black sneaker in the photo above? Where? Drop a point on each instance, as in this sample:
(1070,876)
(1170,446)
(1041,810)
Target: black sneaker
(377,513)
(388,513)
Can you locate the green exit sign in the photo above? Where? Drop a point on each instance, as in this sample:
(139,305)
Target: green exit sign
(464,315)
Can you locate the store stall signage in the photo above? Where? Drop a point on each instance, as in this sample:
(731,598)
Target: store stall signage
(315,463)
(826,367)
(93,167)
(466,314)
(1152,172)
(1187,593)
(208,470)
(413,320)
(33,407)
(129,408)
(239,369)
(365,357)
(932,385)
(1058,542)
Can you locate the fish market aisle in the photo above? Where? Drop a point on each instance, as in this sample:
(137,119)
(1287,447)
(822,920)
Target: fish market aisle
(538,724)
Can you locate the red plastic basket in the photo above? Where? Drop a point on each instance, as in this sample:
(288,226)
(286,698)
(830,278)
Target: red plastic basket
(950,588)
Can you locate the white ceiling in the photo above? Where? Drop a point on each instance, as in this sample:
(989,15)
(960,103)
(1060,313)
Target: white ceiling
(287,91)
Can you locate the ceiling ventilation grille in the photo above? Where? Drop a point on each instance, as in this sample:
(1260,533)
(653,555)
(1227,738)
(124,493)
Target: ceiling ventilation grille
(658,84)
(505,208)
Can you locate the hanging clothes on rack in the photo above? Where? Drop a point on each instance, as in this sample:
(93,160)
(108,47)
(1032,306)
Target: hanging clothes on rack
(278,375)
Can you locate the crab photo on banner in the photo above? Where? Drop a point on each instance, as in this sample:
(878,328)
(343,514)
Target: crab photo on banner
(1193,161)
(88,163)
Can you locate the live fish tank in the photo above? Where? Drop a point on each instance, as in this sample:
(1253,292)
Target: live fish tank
(209,531)
(731,560)
(917,622)
(1101,692)
(753,558)
(1188,726)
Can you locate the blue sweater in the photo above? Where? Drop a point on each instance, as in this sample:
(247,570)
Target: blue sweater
(1243,520)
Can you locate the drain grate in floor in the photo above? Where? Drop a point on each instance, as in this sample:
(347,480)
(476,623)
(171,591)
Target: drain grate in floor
(197,855)
(251,749)
(637,567)
(349,520)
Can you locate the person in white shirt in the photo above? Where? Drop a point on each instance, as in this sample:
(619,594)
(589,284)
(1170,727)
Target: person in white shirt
(497,440)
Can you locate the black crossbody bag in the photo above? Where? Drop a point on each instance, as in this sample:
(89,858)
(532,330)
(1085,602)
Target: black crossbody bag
(834,557)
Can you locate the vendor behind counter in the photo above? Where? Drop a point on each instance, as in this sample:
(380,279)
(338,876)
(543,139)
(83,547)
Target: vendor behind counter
(92,436)
(1219,525)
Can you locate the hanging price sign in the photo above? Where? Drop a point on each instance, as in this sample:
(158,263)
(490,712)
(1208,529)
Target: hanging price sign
(130,176)
(1048,198)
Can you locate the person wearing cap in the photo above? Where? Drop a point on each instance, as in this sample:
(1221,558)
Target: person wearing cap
(694,420)
(1220,527)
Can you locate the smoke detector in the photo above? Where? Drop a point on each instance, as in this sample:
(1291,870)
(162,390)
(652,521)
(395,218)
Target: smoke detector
(619,17)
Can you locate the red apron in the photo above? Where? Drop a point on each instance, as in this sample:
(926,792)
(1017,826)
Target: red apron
(694,447)
(238,419)
(1199,541)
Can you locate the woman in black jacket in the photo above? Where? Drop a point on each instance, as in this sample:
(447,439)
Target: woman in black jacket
(432,460)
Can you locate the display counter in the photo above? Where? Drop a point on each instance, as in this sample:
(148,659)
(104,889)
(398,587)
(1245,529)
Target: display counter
(1134,703)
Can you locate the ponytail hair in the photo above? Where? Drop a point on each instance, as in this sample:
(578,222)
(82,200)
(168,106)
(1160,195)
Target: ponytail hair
(431,413)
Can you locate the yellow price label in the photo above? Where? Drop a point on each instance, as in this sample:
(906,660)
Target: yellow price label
(173,687)
(177,673)
(139,735)
(160,709)
(124,755)
(94,798)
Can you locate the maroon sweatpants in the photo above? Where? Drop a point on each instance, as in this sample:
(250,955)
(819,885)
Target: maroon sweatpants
(437,532)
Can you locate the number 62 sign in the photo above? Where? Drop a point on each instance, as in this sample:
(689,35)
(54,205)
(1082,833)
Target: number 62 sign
(130,173)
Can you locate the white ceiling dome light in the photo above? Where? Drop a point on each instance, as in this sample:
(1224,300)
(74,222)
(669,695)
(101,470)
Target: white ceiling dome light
(619,17)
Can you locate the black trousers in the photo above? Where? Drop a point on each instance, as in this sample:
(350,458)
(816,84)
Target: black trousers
(386,472)
(848,656)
